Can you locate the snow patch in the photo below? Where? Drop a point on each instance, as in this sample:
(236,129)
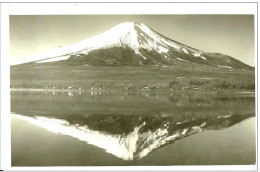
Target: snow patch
(185,51)
(195,53)
(54,59)
(162,49)
(166,56)
(224,116)
(204,58)
(182,60)
(180,77)
(157,38)
(225,66)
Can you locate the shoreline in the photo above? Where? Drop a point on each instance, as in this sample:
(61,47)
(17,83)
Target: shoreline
(225,92)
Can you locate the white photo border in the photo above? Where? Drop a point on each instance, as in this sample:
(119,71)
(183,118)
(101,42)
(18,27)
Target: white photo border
(122,8)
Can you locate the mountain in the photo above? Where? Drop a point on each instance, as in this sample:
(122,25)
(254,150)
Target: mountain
(133,44)
(131,56)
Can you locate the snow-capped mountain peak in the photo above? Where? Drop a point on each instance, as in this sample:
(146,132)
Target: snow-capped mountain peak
(132,43)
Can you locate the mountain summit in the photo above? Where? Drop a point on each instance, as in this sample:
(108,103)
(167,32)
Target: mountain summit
(133,44)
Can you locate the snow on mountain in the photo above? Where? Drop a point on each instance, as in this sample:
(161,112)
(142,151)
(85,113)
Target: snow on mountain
(122,34)
(131,43)
(225,66)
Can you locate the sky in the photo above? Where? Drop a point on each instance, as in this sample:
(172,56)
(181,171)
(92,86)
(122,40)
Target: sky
(227,34)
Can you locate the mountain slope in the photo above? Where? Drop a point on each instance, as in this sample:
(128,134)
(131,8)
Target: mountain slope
(133,44)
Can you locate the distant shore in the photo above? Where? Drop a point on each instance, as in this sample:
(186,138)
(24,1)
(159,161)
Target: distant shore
(225,92)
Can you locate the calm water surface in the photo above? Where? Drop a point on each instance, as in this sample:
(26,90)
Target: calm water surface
(131,128)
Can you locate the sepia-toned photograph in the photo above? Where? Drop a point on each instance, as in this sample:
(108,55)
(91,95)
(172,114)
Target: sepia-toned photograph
(132,90)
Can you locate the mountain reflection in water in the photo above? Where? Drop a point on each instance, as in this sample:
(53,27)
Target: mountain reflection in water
(131,137)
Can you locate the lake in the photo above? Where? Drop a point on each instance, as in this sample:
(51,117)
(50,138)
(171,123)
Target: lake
(74,128)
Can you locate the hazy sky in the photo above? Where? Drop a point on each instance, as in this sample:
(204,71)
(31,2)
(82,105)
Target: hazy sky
(228,34)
